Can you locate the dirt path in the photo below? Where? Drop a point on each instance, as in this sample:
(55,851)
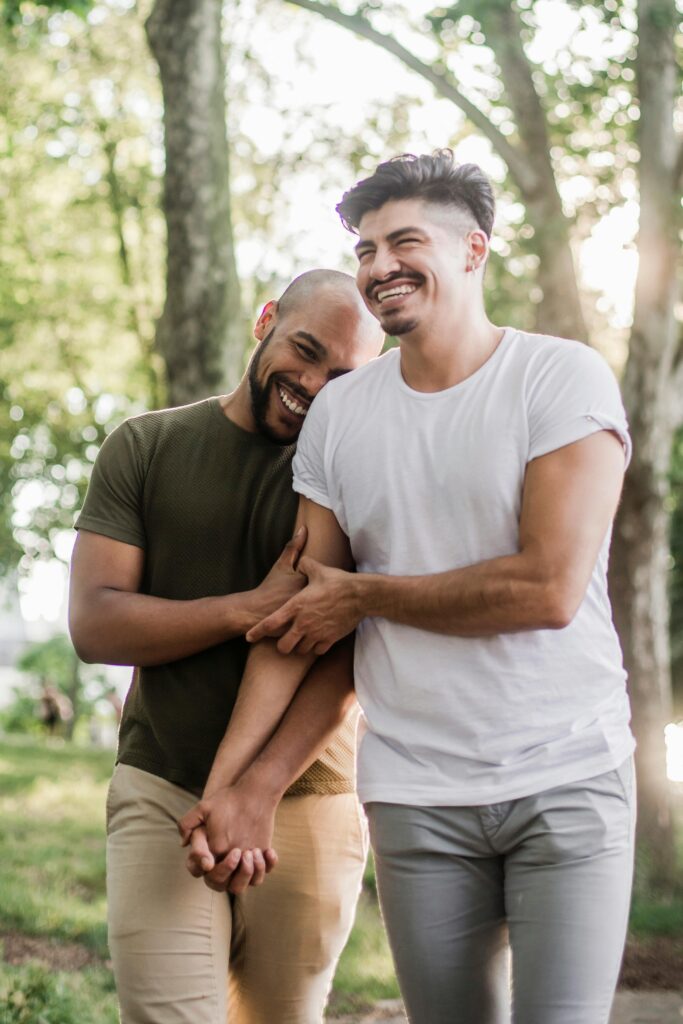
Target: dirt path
(629,1008)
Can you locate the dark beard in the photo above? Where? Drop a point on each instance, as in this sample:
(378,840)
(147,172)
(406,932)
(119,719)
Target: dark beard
(396,327)
(260,397)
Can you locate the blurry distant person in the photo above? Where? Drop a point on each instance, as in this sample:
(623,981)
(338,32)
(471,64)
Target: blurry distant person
(54,709)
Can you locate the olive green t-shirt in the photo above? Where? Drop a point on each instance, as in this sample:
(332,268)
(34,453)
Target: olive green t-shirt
(212,506)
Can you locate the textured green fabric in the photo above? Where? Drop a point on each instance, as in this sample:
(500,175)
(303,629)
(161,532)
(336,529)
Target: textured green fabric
(212,506)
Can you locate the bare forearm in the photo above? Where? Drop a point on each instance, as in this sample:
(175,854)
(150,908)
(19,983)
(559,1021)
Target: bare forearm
(269,683)
(503,595)
(317,711)
(121,628)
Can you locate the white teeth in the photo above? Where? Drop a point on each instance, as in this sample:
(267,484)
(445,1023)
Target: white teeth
(292,406)
(402,289)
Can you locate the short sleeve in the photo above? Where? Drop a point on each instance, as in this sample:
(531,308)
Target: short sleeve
(309,462)
(113,504)
(574,395)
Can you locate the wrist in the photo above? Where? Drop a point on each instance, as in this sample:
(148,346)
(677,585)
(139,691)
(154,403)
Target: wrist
(242,612)
(268,781)
(367,594)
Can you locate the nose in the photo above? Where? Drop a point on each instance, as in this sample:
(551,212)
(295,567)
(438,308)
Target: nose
(384,263)
(312,379)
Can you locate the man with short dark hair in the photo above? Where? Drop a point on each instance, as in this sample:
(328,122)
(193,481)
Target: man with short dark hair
(472,475)
(186,513)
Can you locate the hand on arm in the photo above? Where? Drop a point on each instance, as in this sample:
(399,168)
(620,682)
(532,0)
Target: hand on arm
(111,622)
(569,499)
(239,816)
(255,764)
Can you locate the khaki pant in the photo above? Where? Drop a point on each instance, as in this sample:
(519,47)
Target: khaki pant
(171,937)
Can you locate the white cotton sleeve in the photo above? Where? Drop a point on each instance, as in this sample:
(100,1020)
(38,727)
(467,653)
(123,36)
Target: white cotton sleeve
(574,395)
(309,462)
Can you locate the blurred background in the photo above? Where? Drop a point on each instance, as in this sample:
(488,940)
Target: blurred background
(167,168)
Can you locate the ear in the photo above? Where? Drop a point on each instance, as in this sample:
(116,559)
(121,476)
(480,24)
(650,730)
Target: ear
(266,320)
(477,250)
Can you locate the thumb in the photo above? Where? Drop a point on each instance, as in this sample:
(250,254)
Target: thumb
(200,859)
(295,546)
(308,566)
(190,821)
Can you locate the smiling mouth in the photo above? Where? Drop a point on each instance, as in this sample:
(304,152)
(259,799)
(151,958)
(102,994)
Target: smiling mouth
(291,403)
(394,292)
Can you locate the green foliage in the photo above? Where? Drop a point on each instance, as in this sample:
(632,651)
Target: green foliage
(11,11)
(51,661)
(54,663)
(36,995)
(81,254)
(20,715)
(52,859)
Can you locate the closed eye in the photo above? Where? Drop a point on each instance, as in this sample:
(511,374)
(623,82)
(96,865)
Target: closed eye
(306,352)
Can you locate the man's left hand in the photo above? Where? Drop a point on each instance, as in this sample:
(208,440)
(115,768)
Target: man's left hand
(322,613)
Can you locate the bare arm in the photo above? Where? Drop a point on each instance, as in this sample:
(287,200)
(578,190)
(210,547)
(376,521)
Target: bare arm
(270,681)
(110,622)
(257,761)
(569,500)
(238,813)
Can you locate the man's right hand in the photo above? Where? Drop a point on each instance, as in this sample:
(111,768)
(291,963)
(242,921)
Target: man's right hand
(229,834)
(282,582)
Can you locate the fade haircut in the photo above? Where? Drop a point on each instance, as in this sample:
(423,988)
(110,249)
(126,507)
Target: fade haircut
(435,178)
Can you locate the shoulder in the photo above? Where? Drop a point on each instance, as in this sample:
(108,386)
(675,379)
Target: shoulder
(560,361)
(365,379)
(150,429)
(163,420)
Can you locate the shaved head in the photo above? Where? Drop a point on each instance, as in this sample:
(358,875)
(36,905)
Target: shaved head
(316,286)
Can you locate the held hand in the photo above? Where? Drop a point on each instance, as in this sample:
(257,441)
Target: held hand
(325,611)
(283,580)
(229,835)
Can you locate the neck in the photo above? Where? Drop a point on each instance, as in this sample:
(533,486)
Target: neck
(237,406)
(448,350)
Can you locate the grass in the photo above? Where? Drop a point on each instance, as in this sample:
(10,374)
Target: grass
(34,994)
(52,888)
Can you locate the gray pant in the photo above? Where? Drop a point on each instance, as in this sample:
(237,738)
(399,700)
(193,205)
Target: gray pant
(547,877)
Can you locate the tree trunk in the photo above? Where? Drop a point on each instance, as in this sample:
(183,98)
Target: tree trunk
(201,333)
(559,311)
(651,380)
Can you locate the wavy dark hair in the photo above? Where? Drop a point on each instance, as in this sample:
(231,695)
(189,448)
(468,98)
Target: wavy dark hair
(436,178)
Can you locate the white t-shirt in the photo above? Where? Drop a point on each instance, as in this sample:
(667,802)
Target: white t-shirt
(425,482)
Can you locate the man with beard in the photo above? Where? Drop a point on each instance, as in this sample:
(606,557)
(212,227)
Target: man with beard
(473,473)
(186,513)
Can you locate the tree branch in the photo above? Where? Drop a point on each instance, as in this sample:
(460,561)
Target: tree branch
(517,162)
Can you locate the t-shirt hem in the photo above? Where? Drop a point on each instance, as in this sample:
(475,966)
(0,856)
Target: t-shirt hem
(106,529)
(435,796)
(585,425)
(300,787)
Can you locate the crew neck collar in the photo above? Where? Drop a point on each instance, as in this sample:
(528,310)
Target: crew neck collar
(482,371)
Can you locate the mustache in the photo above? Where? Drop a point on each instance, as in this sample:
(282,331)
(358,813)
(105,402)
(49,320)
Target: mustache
(294,388)
(374,284)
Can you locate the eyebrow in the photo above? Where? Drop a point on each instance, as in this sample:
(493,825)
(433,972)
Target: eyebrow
(391,237)
(313,341)
(321,351)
